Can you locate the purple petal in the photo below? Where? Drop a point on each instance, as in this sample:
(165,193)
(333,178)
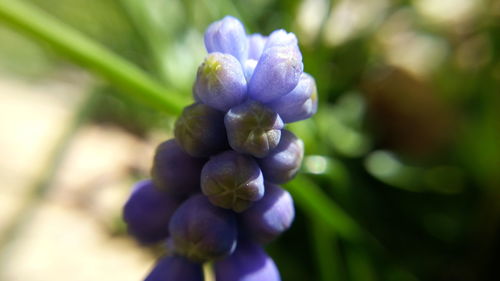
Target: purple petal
(276,74)
(200,130)
(256,43)
(147,212)
(175,268)
(174,171)
(227,36)
(220,82)
(281,38)
(248,263)
(232,181)
(284,162)
(253,128)
(301,103)
(270,216)
(202,232)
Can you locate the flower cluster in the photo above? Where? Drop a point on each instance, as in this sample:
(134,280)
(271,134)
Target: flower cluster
(214,193)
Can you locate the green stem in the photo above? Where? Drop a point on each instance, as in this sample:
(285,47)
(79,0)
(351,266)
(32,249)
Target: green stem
(71,43)
(317,205)
(327,254)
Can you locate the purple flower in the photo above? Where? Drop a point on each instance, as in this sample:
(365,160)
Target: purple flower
(202,232)
(270,216)
(248,263)
(256,43)
(282,38)
(301,103)
(175,268)
(253,128)
(147,212)
(174,171)
(276,74)
(284,162)
(200,130)
(227,36)
(232,181)
(220,82)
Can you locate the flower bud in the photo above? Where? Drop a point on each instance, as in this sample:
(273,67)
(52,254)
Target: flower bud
(269,217)
(248,263)
(202,232)
(249,68)
(227,36)
(301,103)
(232,181)
(175,268)
(276,74)
(256,43)
(200,130)
(147,213)
(174,171)
(284,161)
(253,128)
(281,38)
(220,81)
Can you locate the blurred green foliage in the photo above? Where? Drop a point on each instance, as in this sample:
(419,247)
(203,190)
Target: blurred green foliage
(403,156)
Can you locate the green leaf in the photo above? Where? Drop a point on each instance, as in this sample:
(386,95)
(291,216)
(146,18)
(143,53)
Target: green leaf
(87,53)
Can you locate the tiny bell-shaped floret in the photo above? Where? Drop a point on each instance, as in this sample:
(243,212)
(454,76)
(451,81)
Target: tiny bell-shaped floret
(270,216)
(174,171)
(200,130)
(175,268)
(227,36)
(276,74)
(256,43)
(248,263)
(284,161)
(220,81)
(253,128)
(301,103)
(201,231)
(281,38)
(232,181)
(147,212)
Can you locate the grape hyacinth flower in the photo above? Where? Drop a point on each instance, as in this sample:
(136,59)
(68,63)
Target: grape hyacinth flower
(202,232)
(148,211)
(253,128)
(173,170)
(214,196)
(248,263)
(200,130)
(270,216)
(175,268)
(233,181)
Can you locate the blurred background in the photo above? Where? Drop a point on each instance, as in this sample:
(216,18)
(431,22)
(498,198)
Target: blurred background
(404,151)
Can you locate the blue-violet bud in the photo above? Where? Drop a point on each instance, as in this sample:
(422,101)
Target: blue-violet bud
(202,232)
(276,74)
(269,217)
(281,38)
(232,181)
(284,161)
(227,36)
(256,43)
(249,68)
(175,268)
(301,103)
(147,212)
(248,263)
(200,130)
(253,128)
(220,81)
(174,171)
